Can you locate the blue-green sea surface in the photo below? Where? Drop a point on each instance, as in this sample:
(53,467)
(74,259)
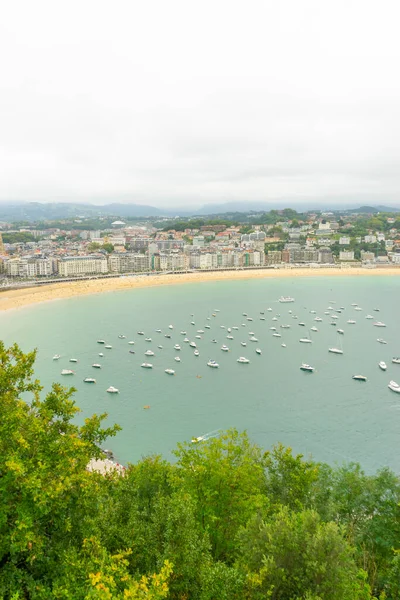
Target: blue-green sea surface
(325,414)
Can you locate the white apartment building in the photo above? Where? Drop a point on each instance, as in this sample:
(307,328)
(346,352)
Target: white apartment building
(71,266)
(346,255)
(128,262)
(29,267)
(344,241)
(370,239)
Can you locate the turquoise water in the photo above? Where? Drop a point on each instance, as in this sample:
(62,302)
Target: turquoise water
(326,414)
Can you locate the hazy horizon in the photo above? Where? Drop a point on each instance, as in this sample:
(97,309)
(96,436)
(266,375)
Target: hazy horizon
(183,105)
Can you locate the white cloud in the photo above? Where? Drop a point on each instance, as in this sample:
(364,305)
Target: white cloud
(187,102)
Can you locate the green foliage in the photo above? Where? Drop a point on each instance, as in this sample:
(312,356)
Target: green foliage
(108,247)
(226,479)
(226,521)
(294,554)
(18,237)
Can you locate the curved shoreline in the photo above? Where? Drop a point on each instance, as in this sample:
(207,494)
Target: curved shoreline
(14,299)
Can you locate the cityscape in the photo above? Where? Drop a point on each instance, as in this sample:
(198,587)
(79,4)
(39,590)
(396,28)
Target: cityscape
(85,247)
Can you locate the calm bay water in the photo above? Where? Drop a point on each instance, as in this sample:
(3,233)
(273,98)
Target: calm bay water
(325,414)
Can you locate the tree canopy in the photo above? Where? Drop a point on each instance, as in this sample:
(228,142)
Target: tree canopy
(225,521)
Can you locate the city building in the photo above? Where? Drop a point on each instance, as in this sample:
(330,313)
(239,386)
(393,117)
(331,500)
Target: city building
(93,264)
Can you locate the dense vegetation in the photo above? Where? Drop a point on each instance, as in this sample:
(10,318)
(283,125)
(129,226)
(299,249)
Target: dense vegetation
(226,521)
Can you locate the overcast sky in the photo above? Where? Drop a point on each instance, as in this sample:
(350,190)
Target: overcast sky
(176,102)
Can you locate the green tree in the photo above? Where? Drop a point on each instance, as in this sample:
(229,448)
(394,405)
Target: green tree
(93,247)
(225,477)
(294,555)
(108,247)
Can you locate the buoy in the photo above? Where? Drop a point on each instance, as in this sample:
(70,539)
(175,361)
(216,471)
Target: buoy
(146,406)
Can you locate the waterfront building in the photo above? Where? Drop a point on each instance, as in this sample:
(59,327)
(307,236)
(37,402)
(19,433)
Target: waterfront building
(93,264)
(346,255)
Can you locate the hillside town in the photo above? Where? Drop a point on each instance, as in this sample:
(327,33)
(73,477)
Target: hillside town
(278,239)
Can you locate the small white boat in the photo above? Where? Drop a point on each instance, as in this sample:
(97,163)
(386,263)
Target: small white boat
(249,319)
(222,326)
(101,354)
(108,347)
(341,331)
(379,324)
(305,341)
(274,318)
(169,371)
(254,339)
(89,380)
(132,352)
(285,326)
(67,372)
(73,360)
(192,323)
(351,322)
(147,340)
(177,347)
(318,319)
(236,328)
(313,312)
(224,348)
(395,387)
(358,308)
(198,337)
(302,324)
(376,309)
(160,347)
(131,343)
(334,317)
(285,299)
(369,317)
(170,326)
(192,344)
(140,332)
(243,324)
(186,340)
(396,360)
(183,332)
(149,353)
(56,356)
(196,353)
(122,337)
(354,304)
(359,377)
(314,328)
(252,332)
(213,341)
(207,326)
(112,390)
(96,366)
(275,335)
(262,318)
(229,337)
(335,350)
(244,314)
(177,359)
(101,342)
(146,365)
(213,364)
(269,309)
(158,330)
(306,367)
(243,343)
(167,336)
(258,351)
(283,345)
(229,329)
(243,360)
(382,365)
(381,341)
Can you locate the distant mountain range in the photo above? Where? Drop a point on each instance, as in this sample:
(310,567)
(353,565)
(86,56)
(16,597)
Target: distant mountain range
(37,211)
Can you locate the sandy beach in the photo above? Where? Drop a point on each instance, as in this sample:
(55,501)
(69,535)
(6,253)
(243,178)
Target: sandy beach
(14,299)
